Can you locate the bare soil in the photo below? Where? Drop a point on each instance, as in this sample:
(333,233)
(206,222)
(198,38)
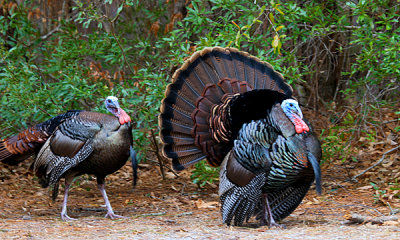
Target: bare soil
(175,208)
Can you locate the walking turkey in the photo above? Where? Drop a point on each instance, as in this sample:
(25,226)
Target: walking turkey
(237,112)
(75,143)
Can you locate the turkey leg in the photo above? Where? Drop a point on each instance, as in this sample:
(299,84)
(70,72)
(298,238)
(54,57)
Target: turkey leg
(64,215)
(110,212)
(267,218)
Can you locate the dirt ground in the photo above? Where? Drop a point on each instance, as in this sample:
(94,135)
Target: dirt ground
(175,208)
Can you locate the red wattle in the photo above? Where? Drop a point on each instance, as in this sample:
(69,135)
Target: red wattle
(306,128)
(300,126)
(123,117)
(299,129)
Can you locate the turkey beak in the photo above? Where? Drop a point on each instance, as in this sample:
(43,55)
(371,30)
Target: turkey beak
(117,108)
(298,113)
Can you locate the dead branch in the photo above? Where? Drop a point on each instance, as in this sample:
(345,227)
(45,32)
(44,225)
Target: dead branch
(361,219)
(168,167)
(184,214)
(376,164)
(45,37)
(160,162)
(153,214)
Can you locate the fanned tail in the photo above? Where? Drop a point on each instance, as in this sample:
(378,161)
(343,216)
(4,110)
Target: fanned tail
(193,120)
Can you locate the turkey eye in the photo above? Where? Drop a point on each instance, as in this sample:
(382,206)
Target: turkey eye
(108,100)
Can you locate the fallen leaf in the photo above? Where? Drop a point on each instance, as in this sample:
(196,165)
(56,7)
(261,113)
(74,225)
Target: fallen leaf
(365,187)
(174,188)
(170,175)
(392,223)
(201,204)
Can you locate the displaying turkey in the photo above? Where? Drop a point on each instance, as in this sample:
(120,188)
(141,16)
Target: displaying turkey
(75,143)
(237,112)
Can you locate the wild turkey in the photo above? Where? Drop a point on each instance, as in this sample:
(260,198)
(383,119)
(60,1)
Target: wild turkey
(237,112)
(75,143)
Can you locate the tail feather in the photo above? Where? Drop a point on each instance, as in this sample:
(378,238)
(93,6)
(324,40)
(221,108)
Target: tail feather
(180,107)
(205,83)
(317,172)
(239,61)
(17,148)
(182,162)
(178,127)
(5,154)
(239,203)
(184,150)
(134,163)
(54,193)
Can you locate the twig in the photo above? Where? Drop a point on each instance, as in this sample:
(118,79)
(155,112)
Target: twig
(158,154)
(390,121)
(376,164)
(43,110)
(183,188)
(184,214)
(57,29)
(92,209)
(361,219)
(153,214)
(169,168)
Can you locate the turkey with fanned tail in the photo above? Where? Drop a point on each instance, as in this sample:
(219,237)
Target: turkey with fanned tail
(75,143)
(234,110)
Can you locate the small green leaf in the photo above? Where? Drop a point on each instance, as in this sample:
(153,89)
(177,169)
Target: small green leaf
(236,25)
(262,10)
(279,28)
(271,17)
(276,44)
(276,8)
(120,9)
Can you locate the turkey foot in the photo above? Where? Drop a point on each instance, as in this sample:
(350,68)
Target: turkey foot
(272,224)
(112,215)
(65,217)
